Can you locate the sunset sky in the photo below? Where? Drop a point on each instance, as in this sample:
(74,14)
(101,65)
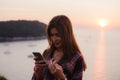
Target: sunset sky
(81,12)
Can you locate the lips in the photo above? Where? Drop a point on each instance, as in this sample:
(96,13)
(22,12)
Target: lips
(57,43)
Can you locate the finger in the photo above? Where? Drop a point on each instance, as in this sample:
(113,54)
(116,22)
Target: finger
(36,58)
(42,62)
(39,62)
(36,62)
(58,67)
(54,62)
(52,67)
(40,65)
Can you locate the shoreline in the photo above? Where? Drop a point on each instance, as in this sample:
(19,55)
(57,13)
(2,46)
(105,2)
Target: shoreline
(8,39)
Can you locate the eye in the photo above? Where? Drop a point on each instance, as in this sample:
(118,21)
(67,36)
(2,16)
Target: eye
(58,35)
(51,35)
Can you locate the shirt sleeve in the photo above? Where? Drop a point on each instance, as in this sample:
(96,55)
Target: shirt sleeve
(78,72)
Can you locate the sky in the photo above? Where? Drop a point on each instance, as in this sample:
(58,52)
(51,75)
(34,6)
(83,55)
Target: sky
(81,12)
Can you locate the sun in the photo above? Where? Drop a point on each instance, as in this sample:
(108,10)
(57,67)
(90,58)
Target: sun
(102,23)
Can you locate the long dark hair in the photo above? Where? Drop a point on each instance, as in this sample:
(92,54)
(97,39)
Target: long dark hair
(63,25)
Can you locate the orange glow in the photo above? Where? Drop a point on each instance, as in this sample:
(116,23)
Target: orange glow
(102,23)
(100,58)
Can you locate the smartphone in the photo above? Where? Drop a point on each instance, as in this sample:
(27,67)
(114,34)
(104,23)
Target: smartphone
(37,54)
(40,57)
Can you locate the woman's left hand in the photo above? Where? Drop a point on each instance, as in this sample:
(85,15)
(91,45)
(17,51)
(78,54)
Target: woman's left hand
(56,70)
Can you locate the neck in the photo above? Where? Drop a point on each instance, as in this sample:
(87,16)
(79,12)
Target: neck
(59,49)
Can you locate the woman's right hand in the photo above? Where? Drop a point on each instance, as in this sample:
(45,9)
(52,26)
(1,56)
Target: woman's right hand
(38,68)
(39,64)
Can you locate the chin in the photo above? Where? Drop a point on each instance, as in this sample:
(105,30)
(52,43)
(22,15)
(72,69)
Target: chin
(57,46)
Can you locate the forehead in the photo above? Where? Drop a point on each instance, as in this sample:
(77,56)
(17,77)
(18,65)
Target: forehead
(53,30)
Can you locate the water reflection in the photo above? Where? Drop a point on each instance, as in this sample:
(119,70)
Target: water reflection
(100,63)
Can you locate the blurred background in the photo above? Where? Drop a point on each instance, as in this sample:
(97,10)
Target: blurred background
(96,25)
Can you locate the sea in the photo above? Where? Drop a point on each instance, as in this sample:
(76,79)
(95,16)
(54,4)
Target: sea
(100,48)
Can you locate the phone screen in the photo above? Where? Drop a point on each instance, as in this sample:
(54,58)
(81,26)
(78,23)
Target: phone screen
(37,54)
(40,57)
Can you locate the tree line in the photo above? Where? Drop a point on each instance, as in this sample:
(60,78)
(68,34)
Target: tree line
(21,29)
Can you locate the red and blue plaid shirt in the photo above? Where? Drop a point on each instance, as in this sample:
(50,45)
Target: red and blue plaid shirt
(72,70)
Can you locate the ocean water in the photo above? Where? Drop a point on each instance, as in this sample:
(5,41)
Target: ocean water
(101,50)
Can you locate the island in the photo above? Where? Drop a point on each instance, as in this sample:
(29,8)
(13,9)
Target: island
(22,30)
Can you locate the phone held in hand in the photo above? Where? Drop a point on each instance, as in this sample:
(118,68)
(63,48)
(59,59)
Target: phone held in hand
(39,57)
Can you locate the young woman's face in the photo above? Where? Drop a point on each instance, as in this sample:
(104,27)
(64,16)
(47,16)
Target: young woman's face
(55,38)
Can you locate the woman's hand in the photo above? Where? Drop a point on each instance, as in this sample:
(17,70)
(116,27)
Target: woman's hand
(56,70)
(39,64)
(38,68)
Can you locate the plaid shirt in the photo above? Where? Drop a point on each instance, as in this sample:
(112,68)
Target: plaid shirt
(72,70)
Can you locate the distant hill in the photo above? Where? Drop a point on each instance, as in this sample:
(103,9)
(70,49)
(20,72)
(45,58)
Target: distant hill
(21,30)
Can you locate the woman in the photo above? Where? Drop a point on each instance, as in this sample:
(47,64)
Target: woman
(64,59)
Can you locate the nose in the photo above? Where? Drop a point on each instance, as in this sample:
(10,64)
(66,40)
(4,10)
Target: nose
(54,38)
